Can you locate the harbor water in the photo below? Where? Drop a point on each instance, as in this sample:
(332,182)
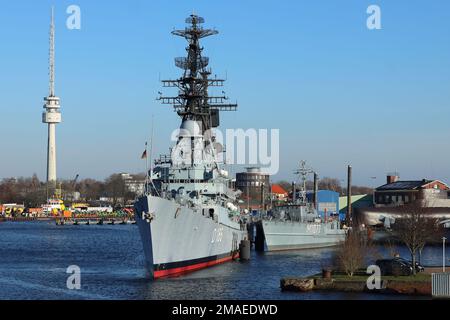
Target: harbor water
(34,257)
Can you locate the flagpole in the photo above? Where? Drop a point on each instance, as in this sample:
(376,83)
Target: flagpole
(151,146)
(146,169)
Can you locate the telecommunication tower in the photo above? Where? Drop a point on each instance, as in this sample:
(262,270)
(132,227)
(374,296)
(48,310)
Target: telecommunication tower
(52,114)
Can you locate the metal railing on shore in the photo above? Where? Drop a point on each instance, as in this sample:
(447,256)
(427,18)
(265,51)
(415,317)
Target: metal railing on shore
(94,221)
(440,285)
(76,220)
(24,219)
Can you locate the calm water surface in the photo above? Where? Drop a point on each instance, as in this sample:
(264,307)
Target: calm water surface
(34,257)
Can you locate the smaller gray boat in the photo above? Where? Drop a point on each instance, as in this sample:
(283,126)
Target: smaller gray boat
(297,225)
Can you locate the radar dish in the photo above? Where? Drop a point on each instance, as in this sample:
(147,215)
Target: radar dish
(195,19)
(183,63)
(218,147)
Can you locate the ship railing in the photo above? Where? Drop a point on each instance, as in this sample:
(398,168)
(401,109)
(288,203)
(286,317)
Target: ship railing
(163,159)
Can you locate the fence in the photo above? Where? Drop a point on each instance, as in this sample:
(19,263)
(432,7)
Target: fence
(440,285)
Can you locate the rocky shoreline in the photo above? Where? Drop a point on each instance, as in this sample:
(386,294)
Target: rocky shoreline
(401,285)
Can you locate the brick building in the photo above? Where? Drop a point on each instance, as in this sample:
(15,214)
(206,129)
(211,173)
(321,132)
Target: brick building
(396,192)
(254,184)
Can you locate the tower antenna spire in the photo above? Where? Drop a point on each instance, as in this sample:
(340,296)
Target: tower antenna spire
(52,56)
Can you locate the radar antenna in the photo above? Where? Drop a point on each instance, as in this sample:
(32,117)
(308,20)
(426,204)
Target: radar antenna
(193,101)
(303,172)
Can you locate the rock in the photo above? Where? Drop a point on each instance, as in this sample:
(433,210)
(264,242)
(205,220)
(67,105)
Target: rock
(356,285)
(301,285)
(409,287)
(339,285)
(323,284)
(350,286)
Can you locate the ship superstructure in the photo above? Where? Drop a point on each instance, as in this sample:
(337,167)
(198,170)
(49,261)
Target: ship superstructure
(188,218)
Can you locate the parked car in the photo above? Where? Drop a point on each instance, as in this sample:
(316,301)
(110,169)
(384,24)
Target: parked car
(394,267)
(419,267)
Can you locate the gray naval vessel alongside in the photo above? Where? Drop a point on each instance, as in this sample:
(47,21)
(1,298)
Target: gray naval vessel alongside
(188,218)
(297,225)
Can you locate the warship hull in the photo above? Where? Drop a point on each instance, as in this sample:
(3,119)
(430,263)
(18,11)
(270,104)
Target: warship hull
(283,235)
(179,239)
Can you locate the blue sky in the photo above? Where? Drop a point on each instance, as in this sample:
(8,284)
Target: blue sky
(338,92)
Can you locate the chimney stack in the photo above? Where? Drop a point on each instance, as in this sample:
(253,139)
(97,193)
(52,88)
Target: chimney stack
(348,217)
(392,177)
(316,189)
(294,191)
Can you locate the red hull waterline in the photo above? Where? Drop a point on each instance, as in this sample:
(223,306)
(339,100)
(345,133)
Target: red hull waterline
(190,268)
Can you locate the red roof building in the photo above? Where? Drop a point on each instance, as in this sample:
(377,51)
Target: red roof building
(278,192)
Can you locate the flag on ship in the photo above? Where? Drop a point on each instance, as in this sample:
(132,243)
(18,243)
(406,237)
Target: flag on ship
(144,154)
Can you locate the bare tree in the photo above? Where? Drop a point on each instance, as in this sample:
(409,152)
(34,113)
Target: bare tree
(91,189)
(115,188)
(333,184)
(351,254)
(360,190)
(27,191)
(328,183)
(391,248)
(415,229)
(285,185)
(33,193)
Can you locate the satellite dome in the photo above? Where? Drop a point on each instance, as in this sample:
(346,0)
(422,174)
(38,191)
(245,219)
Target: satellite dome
(190,128)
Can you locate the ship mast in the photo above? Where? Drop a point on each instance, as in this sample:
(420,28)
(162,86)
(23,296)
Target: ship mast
(193,101)
(303,172)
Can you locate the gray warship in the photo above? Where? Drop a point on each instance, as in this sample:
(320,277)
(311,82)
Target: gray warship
(297,224)
(188,218)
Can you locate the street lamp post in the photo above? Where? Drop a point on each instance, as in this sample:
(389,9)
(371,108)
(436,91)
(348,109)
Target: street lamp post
(443,253)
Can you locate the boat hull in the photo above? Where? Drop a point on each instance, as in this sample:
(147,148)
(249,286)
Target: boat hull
(281,235)
(178,239)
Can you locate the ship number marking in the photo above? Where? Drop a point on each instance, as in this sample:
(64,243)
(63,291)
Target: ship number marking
(217,235)
(313,228)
